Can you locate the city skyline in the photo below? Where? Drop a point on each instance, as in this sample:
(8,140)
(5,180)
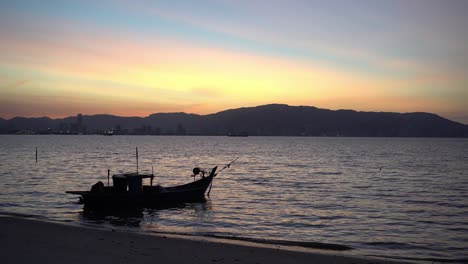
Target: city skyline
(135,58)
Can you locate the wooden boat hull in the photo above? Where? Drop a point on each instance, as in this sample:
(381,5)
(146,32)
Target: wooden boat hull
(151,196)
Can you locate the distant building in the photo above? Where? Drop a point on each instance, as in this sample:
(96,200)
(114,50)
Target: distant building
(180,130)
(79,119)
(25,132)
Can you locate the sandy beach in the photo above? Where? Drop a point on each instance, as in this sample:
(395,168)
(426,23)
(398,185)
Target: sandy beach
(32,241)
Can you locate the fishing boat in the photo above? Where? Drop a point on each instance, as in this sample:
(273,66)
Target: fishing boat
(128,190)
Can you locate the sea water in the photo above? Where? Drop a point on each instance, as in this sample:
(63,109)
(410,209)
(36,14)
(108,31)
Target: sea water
(392,197)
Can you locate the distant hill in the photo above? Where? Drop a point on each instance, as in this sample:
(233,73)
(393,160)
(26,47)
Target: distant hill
(266,120)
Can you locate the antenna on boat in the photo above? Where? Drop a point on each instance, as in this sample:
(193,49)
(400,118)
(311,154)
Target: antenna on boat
(137,158)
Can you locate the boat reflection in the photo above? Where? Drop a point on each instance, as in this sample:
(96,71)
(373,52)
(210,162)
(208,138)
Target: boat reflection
(133,216)
(113,216)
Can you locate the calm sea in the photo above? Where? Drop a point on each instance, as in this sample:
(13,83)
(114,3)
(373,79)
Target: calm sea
(395,197)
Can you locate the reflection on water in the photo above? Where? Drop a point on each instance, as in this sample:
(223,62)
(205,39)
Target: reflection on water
(402,197)
(133,216)
(113,216)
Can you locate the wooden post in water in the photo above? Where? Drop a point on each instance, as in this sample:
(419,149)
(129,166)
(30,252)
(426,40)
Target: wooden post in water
(108,176)
(36,154)
(152,175)
(137,158)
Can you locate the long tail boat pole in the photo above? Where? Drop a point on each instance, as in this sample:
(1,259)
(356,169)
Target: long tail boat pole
(137,158)
(226,166)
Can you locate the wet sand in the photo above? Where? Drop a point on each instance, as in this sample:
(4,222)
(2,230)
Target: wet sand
(32,241)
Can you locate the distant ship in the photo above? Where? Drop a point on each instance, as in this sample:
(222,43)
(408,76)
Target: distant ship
(242,134)
(108,133)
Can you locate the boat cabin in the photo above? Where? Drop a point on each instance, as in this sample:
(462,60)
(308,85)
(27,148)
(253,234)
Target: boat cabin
(130,182)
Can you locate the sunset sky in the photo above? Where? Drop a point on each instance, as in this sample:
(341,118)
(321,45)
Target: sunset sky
(134,58)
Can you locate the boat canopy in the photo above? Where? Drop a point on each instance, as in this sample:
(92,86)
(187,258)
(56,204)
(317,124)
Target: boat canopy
(136,175)
(131,182)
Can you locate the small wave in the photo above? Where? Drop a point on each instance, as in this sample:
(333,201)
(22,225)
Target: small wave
(263,168)
(458,229)
(331,217)
(7,205)
(20,215)
(306,244)
(297,165)
(429,259)
(363,187)
(388,244)
(397,245)
(417,202)
(452,205)
(327,173)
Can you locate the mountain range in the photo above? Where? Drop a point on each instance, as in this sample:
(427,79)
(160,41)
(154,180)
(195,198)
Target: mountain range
(265,120)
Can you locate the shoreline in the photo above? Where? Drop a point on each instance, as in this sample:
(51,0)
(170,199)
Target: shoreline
(35,240)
